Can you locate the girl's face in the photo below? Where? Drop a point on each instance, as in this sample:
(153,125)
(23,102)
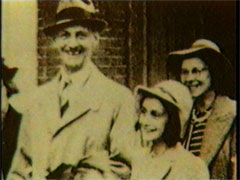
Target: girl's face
(153,118)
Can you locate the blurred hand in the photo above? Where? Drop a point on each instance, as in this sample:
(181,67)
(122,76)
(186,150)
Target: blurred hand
(88,174)
(120,169)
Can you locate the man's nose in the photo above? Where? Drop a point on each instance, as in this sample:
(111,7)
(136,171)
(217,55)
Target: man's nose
(72,42)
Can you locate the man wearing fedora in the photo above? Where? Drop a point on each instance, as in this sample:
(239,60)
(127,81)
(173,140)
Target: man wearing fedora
(209,76)
(80,120)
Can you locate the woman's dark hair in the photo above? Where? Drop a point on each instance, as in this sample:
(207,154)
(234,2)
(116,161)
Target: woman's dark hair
(172,130)
(222,73)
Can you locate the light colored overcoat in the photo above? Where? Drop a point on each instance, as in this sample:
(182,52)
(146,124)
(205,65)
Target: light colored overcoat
(217,147)
(100,120)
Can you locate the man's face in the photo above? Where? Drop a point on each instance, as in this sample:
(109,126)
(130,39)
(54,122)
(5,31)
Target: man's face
(75,45)
(195,75)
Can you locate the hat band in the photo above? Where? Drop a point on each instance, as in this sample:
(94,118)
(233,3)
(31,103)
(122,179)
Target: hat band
(64,21)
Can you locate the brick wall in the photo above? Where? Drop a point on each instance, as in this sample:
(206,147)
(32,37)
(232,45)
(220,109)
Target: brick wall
(112,53)
(134,47)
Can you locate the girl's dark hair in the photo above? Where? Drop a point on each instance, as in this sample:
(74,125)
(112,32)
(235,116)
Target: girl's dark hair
(172,130)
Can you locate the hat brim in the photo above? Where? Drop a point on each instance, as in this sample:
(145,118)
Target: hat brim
(209,56)
(95,25)
(151,92)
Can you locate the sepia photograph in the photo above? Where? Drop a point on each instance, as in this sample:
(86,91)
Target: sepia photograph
(119,89)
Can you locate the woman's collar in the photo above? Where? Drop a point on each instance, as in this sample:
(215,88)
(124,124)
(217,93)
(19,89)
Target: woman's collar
(204,104)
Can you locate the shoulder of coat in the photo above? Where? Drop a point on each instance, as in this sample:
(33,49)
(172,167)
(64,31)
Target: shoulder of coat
(194,167)
(225,106)
(113,88)
(199,168)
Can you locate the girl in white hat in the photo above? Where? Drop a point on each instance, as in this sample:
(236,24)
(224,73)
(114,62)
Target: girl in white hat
(163,112)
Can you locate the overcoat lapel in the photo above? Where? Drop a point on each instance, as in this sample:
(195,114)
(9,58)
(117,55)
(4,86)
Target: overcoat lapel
(49,108)
(43,122)
(83,100)
(217,127)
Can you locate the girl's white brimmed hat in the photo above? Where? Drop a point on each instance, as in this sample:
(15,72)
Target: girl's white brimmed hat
(172,92)
(76,12)
(204,49)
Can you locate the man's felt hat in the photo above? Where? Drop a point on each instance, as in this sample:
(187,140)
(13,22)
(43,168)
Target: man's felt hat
(73,13)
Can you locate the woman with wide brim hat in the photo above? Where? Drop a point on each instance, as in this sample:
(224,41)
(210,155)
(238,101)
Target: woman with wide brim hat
(220,67)
(163,113)
(210,78)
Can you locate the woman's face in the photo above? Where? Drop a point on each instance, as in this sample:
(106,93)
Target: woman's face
(153,118)
(196,76)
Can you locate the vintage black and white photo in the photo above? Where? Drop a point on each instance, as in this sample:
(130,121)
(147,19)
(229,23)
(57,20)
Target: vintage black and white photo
(131,90)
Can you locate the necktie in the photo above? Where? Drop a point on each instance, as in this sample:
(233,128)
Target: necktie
(196,133)
(64,83)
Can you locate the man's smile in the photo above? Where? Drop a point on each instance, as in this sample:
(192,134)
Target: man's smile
(73,51)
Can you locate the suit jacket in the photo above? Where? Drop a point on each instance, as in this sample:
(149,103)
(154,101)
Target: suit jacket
(10,131)
(100,120)
(216,148)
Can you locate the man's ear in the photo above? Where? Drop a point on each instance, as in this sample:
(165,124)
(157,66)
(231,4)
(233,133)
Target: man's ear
(52,41)
(96,35)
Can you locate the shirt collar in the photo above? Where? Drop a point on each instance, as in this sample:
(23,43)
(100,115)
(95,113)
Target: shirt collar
(78,78)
